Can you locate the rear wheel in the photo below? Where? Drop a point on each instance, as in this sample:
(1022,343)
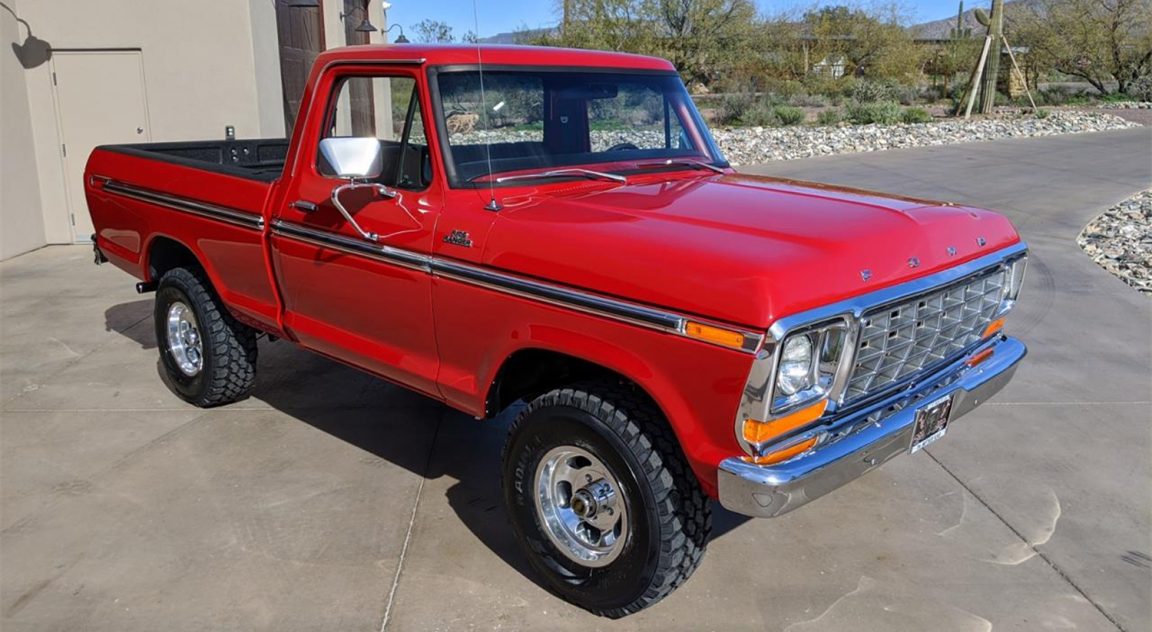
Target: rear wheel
(602,500)
(208,356)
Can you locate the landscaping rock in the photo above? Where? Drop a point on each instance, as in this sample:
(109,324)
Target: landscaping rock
(1120,241)
(743,146)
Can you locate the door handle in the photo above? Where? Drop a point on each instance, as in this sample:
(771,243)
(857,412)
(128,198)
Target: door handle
(304,206)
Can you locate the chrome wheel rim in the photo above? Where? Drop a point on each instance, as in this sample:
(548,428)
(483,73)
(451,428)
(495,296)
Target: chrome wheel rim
(580,504)
(184,341)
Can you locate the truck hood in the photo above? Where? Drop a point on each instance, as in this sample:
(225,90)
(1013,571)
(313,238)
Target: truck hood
(737,248)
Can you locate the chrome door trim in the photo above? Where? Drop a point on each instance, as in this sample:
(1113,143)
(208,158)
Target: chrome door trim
(182,204)
(351,245)
(540,291)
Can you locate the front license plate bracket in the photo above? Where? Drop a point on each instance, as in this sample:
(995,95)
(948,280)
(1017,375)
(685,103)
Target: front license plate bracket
(931,422)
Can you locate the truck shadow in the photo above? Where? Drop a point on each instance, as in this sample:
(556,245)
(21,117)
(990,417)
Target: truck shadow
(391,423)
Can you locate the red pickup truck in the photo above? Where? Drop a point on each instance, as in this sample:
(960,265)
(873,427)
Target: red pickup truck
(497,225)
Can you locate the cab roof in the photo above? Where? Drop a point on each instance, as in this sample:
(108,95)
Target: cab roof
(495,55)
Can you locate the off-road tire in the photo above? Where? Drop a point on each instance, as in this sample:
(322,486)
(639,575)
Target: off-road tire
(229,347)
(670,515)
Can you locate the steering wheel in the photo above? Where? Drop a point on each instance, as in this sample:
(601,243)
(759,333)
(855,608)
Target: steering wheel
(623,146)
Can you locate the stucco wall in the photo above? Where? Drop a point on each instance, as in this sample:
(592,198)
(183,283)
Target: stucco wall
(207,64)
(21,223)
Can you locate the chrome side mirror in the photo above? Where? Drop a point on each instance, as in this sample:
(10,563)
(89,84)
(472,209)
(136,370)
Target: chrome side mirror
(357,160)
(353,158)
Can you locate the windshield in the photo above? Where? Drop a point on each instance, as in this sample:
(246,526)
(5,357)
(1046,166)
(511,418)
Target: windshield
(525,120)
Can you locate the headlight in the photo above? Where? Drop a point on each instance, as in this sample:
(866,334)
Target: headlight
(807,364)
(795,372)
(1014,278)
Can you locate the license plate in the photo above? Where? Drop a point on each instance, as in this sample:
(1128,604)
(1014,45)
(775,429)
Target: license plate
(931,423)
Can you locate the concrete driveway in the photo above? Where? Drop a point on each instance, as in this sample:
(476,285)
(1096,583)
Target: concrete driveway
(334,501)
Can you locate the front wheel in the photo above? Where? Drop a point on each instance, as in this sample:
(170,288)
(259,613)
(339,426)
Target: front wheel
(602,500)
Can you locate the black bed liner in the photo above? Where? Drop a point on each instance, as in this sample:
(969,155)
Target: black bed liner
(259,159)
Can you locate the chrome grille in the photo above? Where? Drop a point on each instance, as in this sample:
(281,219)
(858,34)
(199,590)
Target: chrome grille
(901,339)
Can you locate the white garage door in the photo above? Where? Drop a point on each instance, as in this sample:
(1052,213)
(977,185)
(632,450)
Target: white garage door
(100,100)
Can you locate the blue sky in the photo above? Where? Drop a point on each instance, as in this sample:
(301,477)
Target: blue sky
(509,15)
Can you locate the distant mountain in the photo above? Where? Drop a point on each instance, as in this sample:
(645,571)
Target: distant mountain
(942,29)
(517,37)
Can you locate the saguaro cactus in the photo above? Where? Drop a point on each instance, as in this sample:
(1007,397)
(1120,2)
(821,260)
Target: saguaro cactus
(992,64)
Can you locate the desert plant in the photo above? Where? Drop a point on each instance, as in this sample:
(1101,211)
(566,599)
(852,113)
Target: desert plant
(1141,88)
(883,113)
(761,114)
(907,95)
(733,107)
(915,115)
(1042,114)
(788,115)
(831,116)
(808,100)
(873,92)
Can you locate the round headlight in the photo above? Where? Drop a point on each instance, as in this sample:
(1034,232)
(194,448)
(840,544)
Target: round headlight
(795,372)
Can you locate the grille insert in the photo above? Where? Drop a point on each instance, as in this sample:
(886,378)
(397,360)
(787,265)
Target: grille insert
(902,339)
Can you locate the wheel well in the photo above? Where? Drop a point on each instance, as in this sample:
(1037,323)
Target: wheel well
(165,254)
(529,373)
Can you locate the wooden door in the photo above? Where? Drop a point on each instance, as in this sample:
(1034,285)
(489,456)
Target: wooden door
(100,100)
(301,33)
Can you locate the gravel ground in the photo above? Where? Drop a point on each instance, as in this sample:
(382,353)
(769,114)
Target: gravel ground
(744,146)
(751,145)
(1127,105)
(1120,241)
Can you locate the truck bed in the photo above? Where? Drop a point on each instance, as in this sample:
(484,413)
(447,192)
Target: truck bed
(256,159)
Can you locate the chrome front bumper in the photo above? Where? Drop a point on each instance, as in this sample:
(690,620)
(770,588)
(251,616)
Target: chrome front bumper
(859,445)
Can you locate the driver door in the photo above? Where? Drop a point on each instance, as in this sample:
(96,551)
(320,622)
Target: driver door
(364,301)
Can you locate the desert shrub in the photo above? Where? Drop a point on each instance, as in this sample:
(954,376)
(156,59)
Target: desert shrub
(1141,89)
(808,100)
(883,113)
(1054,95)
(870,91)
(761,114)
(784,88)
(788,115)
(831,116)
(915,115)
(907,95)
(1041,113)
(831,87)
(733,107)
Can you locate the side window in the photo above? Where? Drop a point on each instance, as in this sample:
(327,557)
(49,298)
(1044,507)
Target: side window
(387,108)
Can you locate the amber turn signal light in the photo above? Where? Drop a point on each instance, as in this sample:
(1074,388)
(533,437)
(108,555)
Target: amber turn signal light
(756,431)
(979,357)
(715,335)
(782,455)
(993,328)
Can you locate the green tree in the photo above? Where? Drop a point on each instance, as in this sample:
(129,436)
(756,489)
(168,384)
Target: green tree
(1099,41)
(871,42)
(433,32)
(703,38)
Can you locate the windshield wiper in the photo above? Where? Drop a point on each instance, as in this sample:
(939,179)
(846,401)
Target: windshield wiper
(694,164)
(565,173)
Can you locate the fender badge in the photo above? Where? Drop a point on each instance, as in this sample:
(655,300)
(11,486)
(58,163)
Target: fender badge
(458,238)
(980,241)
(951,251)
(865,274)
(913,262)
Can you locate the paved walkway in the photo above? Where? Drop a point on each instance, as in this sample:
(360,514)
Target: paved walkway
(334,501)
